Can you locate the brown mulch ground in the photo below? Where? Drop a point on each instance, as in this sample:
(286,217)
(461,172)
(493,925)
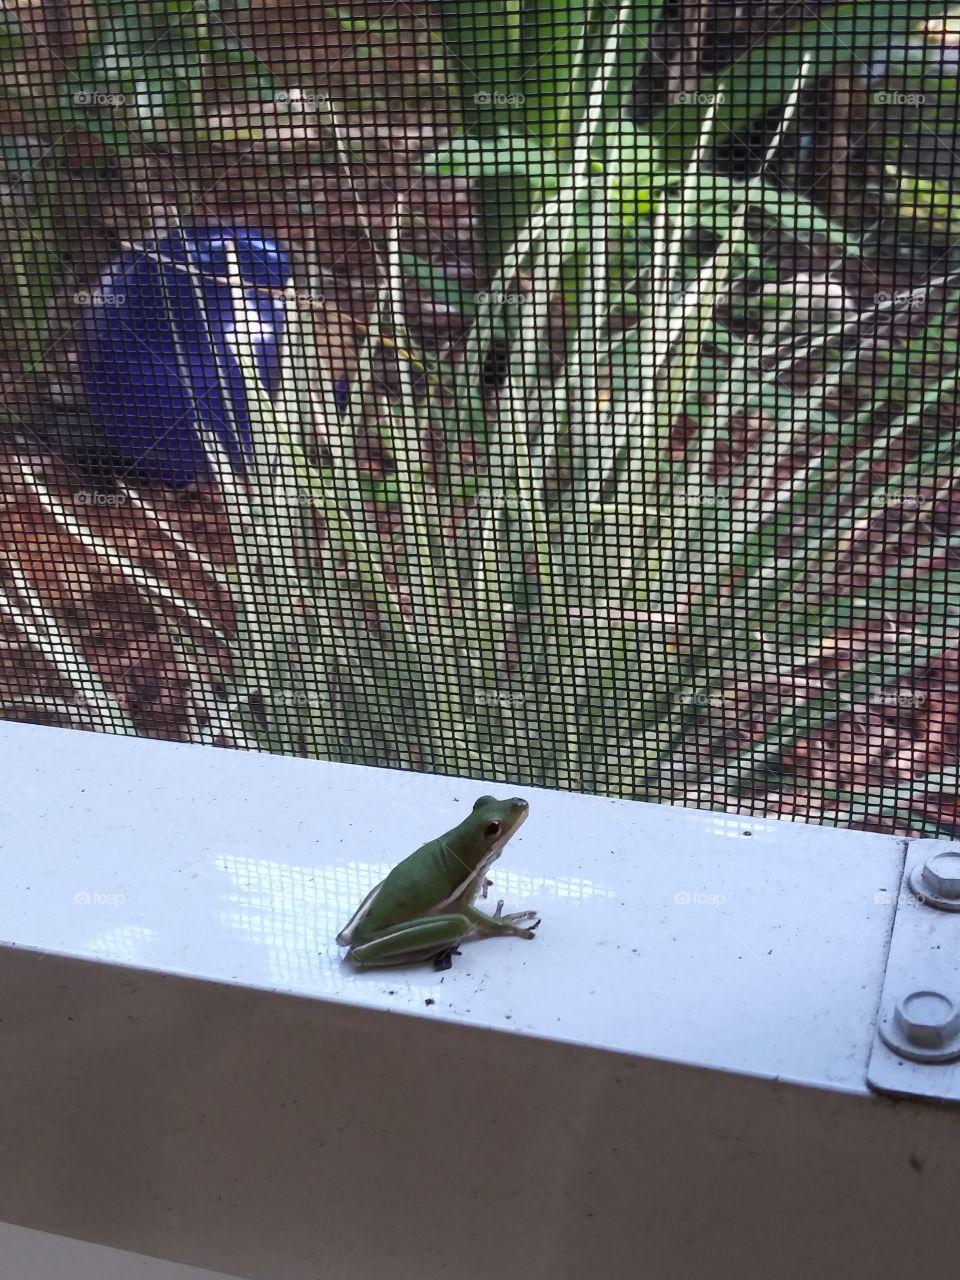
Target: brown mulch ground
(126,635)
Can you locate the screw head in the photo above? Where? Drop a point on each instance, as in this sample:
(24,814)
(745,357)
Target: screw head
(936,882)
(928,1019)
(941,874)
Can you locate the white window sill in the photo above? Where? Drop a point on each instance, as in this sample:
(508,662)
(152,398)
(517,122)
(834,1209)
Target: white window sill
(36,1255)
(169,1098)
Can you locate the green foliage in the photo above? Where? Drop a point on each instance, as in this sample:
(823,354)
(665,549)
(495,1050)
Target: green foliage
(525,68)
(13,38)
(933,205)
(141,75)
(760,81)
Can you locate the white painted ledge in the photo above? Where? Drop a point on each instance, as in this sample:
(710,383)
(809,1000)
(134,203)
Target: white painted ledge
(36,1255)
(535,1109)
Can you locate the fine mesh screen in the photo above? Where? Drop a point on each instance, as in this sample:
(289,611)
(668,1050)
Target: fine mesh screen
(558,393)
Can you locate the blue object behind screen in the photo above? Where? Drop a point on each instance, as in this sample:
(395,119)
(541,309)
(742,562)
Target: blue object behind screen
(156,356)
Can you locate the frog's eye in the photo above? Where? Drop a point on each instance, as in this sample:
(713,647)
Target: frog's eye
(483,800)
(491,829)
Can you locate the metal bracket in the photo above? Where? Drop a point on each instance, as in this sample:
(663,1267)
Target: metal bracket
(916,1048)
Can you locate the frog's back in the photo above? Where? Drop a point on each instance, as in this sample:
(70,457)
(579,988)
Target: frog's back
(422,884)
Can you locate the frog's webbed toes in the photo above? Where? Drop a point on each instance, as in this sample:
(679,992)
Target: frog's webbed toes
(525,922)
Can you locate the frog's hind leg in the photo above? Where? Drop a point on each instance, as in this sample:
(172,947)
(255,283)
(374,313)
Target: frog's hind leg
(415,940)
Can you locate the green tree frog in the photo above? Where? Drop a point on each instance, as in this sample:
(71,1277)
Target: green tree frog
(424,909)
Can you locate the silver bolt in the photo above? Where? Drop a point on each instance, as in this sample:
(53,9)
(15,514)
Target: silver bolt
(941,874)
(928,1019)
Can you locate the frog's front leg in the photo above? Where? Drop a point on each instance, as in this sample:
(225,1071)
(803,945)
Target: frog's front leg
(419,939)
(518,924)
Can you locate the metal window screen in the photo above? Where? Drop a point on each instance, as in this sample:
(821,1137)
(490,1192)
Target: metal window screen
(559,393)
